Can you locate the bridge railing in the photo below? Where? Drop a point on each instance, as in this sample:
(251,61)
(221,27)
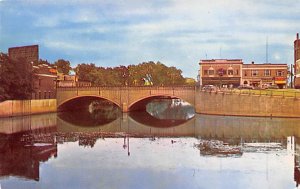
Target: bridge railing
(290,93)
(91,88)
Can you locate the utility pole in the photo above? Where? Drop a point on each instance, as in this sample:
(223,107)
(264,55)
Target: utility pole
(292,75)
(267,61)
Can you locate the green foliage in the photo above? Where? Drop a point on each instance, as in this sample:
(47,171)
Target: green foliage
(15,78)
(132,75)
(41,61)
(63,66)
(83,71)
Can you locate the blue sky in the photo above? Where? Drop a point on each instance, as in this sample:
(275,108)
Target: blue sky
(175,32)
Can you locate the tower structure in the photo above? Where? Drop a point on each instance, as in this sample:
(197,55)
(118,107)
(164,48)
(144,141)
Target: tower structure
(297,62)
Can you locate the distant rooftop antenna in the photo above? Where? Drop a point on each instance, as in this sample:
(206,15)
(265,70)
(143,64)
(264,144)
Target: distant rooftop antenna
(206,56)
(267,46)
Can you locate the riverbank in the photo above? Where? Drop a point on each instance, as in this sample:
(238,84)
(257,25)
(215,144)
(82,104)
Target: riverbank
(11,108)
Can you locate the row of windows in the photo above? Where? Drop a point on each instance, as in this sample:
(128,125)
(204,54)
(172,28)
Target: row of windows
(266,73)
(236,72)
(224,72)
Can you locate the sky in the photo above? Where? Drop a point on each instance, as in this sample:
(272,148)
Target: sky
(175,32)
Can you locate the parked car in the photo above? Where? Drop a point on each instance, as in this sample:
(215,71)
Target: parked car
(272,87)
(245,87)
(209,88)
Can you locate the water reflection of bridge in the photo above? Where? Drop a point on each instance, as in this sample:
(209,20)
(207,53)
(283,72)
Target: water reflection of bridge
(233,129)
(249,129)
(201,126)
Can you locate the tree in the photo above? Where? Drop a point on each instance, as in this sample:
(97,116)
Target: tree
(15,78)
(63,66)
(83,71)
(41,61)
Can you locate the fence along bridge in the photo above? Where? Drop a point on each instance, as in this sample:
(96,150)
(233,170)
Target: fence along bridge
(127,98)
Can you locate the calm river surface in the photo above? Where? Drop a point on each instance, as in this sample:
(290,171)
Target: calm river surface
(166,146)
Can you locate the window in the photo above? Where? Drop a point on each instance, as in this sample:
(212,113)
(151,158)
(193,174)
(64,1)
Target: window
(254,72)
(230,72)
(211,72)
(267,72)
(279,73)
(205,72)
(236,72)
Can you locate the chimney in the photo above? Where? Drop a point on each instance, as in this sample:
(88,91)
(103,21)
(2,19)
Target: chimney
(297,36)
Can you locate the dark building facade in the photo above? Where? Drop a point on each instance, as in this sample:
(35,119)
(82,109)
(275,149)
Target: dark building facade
(30,53)
(297,62)
(45,76)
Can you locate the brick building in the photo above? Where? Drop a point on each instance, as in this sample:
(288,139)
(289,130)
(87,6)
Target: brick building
(233,72)
(264,75)
(44,82)
(71,81)
(220,72)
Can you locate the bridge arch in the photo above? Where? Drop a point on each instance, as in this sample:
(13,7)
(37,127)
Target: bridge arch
(60,106)
(140,103)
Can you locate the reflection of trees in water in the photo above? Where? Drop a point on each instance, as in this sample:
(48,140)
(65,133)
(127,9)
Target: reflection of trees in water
(99,112)
(170,109)
(221,148)
(218,148)
(100,109)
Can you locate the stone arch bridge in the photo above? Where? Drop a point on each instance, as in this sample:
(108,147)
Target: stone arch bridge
(127,98)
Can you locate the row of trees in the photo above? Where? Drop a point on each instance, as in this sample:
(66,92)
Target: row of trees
(149,73)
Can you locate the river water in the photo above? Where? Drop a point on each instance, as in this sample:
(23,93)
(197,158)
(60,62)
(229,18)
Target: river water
(167,146)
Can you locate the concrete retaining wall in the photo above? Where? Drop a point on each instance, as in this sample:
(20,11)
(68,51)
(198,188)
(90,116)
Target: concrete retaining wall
(26,107)
(246,105)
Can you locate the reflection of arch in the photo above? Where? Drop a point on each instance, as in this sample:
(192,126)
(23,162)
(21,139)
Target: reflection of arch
(245,82)
(85,96)
(142,102)
(145,118)
(64,126)
(86,119)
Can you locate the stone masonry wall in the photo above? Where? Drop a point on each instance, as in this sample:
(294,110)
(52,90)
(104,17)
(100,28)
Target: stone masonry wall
(246,105)
(26,107)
